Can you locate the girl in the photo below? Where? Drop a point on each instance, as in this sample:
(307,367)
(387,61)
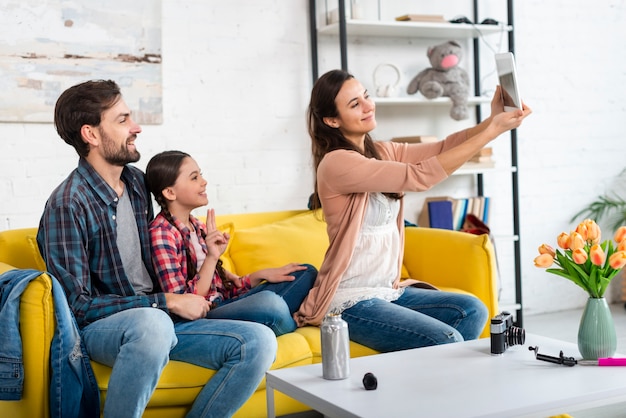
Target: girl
(186,252)
(359,186)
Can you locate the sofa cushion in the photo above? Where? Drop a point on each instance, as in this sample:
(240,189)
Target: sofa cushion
(298,239)
(313,338)
(34,248)
(4,267)
(18,247)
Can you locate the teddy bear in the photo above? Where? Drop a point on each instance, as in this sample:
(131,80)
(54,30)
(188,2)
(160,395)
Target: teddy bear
(444,78)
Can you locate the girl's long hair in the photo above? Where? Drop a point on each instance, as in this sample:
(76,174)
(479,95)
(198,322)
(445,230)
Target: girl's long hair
(324,138)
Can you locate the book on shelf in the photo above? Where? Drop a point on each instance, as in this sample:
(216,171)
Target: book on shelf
(450,213)
(424,217)
(485,214)
(481,159)
(460,210)
(421,18)
(416,139)
(477,208)
(482,156)
(440,214)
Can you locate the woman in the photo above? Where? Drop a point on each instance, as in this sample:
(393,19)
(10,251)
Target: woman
(186,253)
(359,186)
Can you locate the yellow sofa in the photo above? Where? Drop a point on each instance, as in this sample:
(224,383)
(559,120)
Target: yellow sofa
(451,260)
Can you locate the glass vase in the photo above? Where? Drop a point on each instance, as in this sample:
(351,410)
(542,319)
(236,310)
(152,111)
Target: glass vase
(596,333)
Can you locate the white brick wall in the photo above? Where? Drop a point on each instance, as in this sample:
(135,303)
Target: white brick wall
(236,82)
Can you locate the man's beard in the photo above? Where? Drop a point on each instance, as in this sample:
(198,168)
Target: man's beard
(120,156)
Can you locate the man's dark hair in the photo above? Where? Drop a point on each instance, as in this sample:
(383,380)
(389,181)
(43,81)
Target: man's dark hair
(83,104)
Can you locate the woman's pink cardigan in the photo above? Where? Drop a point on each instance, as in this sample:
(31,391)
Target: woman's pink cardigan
(344,179)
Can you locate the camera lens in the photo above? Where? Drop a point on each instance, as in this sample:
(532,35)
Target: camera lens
(515,336)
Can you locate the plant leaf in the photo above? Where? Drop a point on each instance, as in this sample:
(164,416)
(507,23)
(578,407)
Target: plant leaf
(574,279)
(603,207)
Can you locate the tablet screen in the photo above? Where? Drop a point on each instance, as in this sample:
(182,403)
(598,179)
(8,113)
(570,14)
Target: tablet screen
(505,64)
(509,93)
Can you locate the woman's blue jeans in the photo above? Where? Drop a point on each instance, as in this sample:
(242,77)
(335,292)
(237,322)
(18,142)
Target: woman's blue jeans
(137,343)
(271,304)
(418,318)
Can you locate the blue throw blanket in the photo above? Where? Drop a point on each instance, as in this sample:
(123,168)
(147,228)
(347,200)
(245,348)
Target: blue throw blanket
(73,388)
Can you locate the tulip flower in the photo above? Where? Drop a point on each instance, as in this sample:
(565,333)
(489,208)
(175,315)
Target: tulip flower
(575,241)
(620,234)
(597,255)
(563,240)
(583,244)
(581,228)
(579,255)
(594,234)
(544,260)
(618,260)
(546,249)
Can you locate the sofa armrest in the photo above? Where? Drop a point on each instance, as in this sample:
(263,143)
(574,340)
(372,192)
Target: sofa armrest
(453,260)
(36,329)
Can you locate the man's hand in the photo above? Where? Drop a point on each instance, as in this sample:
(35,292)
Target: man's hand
(187,305)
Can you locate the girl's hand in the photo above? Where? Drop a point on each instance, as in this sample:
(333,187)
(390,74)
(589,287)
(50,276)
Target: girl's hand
(216,241)
(277,274)
(210,220)
(236,280)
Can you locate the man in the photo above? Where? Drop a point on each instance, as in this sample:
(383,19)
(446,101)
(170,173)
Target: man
(94,238)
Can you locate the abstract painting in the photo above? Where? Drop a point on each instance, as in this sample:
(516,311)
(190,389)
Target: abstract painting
(47,46)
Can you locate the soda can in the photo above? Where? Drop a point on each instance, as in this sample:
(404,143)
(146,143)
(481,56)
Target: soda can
(335,348)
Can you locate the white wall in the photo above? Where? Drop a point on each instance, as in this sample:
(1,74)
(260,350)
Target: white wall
(236,81)
(574,146)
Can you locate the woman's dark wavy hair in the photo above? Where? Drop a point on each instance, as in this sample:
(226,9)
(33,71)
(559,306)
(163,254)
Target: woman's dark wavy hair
(324,138)
(161,172)
(83,104)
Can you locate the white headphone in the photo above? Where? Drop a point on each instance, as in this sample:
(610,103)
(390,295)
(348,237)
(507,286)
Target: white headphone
(386,89)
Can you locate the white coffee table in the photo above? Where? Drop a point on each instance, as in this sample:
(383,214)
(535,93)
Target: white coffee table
(456,380)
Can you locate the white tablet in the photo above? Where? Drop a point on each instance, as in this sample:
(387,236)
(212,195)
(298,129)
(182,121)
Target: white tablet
(505,64)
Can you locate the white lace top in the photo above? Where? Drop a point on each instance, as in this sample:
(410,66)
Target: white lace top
(374,264)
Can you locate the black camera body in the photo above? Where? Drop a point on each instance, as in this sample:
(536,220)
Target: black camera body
(504,334)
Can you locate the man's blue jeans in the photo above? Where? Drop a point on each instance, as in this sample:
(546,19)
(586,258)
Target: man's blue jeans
(418,318)
(271,304)
(137,344)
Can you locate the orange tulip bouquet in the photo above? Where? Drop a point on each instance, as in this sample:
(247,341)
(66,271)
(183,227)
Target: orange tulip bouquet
(583,259)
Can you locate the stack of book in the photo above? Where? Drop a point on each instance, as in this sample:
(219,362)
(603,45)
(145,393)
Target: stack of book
(449,213)
(421,18)
(484,156)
